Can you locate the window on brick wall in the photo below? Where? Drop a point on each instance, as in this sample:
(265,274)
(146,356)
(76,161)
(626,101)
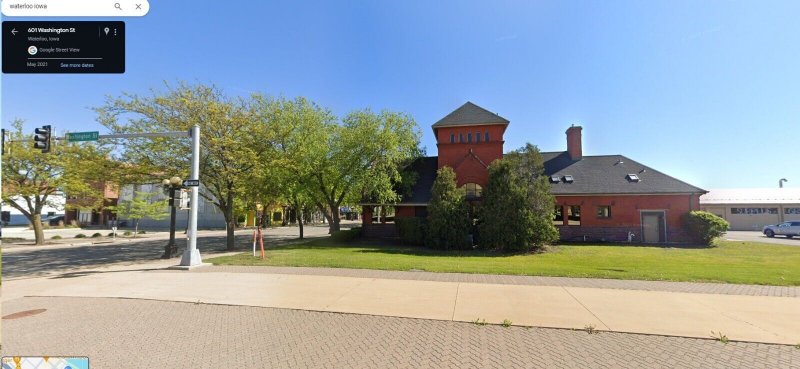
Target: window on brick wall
(604,211)
(452,138)
(461,138)
(574,214)
(473,190)
(558,216)
(469,137)
(478,137)
(486,136)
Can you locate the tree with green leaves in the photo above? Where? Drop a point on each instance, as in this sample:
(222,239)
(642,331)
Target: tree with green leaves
(297,132)
(31,178)
(231,144)
(449,222)
(363,159)
(506,220)
(141,206)
(517,209)
(528,164)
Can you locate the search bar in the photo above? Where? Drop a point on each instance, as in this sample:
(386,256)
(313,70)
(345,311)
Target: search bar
(74,8)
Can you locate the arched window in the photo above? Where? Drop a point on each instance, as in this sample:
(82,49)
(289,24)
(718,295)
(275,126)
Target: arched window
(486,136)
(478,137)
(452,138)
(461,138)
(473,190)
(469,137)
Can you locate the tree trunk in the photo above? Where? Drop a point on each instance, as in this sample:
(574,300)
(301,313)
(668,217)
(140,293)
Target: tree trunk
(334,219)
(136,228)
(38,229)
(300,224)
(230,237)
(230,225)
(264,220)
(299,212)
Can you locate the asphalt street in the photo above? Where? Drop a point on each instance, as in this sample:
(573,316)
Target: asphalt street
(33,261)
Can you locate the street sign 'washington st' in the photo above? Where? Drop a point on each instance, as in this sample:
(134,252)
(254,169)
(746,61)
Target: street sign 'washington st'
(83,136)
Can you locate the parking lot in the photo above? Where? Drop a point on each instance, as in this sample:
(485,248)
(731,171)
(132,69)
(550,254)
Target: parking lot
(752,236)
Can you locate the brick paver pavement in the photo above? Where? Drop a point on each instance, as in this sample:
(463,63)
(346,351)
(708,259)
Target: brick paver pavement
(690,287)
(122,333)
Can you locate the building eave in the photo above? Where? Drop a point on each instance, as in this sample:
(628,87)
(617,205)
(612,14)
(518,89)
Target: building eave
(628,194)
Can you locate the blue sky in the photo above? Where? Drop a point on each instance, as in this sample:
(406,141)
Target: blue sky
(706,91)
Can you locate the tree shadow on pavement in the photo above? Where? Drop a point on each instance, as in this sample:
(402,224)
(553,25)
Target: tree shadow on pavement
(84,273)
(45,261)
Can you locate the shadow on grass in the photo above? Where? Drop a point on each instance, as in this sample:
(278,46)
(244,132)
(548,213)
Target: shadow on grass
(651,245)
(373,246)
(392,247)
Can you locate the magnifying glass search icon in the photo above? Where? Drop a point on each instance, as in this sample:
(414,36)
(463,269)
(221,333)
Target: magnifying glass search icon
(116,5)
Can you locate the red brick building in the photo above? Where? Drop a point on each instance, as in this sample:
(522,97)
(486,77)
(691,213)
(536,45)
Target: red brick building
(598,198)
(83,211)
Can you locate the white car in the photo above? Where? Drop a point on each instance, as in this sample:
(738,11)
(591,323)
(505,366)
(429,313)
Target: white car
(788,229)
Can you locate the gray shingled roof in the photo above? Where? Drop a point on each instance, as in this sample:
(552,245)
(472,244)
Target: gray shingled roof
(469,114)
(607,174)
(592,175)
(425,168)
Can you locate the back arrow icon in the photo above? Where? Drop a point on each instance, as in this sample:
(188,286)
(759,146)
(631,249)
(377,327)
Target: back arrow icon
(14,31)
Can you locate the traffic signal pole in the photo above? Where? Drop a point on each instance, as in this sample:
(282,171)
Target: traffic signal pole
(191,256)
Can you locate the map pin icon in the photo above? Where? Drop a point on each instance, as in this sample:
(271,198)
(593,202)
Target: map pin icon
(106,30)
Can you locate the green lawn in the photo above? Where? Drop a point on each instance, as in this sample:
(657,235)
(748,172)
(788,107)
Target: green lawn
(731,262)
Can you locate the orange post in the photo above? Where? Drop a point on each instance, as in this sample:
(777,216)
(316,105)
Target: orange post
(261,242)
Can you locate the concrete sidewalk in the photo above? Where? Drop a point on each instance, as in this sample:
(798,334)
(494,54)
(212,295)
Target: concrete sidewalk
(745,318)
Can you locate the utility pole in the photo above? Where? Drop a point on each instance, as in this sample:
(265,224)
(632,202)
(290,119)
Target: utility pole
(780,182)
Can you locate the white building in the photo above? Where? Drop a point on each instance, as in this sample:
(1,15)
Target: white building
(750,209)
(208,215)
(53,207)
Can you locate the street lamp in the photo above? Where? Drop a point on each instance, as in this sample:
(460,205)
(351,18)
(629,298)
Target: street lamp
(170,186)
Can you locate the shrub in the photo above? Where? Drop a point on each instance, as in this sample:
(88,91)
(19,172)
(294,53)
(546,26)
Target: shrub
(127,233)
(56,237)
(142,232)
(110,234)
(346,235)
(80,235)
(703,226)
(96,235)
(411,230)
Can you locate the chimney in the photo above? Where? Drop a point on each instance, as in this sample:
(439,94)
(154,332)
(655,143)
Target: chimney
(574,142)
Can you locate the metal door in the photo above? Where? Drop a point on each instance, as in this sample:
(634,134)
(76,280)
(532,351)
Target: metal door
(653,227)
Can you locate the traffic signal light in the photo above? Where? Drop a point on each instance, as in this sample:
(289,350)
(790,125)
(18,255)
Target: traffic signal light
(41,138)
